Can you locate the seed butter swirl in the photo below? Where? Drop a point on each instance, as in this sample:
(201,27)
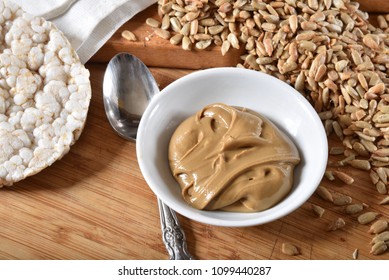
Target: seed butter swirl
(232,159)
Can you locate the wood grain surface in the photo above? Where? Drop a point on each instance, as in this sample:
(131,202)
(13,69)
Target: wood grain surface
(374,6)
(95,204)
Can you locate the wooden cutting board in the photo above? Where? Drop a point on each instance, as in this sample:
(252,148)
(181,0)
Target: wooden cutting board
(95,204)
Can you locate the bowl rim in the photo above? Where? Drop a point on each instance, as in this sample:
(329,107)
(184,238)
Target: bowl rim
(260,217)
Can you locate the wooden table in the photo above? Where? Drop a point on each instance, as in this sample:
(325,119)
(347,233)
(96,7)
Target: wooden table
(95,204)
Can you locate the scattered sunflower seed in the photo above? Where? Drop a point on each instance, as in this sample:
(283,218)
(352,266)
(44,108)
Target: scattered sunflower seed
(383,236)
(329,175)
(164,34)
(384,201)
(378,226)
(360,164)
(355,254)
(345,178)
(153,22)
(381,187)
(225,47)
(186,43)
(336,224)
(354,208)
(317,210)
(324,193)
(203,44)
(379,248)
(336,150)
(176,39)
(128,35)
(342,200)
(289,249)
(367,217)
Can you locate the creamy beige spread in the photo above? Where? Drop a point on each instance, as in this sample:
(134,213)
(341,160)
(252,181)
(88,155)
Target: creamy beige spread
(232,159)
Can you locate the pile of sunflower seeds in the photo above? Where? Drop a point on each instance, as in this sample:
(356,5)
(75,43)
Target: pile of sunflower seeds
(326,49)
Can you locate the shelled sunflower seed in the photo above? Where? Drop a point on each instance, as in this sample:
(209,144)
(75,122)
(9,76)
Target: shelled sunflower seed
(128,35)
(336,224)
(353,208)
(329,174)
(345,178)
(324,193)
(378,226)
(355,254)
(289,249)
(367,217)
(342,200)
(380,243)
(317,210)
(379,248)
(384,201)
(383,236)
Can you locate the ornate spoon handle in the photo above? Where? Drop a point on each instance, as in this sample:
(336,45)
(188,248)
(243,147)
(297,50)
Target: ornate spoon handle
(172,234)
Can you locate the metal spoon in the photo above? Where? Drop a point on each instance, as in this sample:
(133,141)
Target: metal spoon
(127,90)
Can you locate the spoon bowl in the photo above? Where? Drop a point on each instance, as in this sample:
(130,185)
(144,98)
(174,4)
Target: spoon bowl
(128,88)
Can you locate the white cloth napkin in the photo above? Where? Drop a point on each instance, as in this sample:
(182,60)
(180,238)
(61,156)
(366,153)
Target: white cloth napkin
(88,24)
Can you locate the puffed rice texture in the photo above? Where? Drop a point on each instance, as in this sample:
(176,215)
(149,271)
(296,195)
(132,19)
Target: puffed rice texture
(44,94)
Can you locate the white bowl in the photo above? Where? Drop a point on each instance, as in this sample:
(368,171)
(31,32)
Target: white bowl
(272,98)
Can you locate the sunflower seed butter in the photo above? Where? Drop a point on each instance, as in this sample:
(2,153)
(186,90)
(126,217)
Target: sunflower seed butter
(232,159)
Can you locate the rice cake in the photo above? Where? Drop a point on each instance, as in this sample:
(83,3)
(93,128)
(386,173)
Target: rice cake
(44,94)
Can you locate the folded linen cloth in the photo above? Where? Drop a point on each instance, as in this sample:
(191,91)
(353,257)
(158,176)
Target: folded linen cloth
(88,24)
